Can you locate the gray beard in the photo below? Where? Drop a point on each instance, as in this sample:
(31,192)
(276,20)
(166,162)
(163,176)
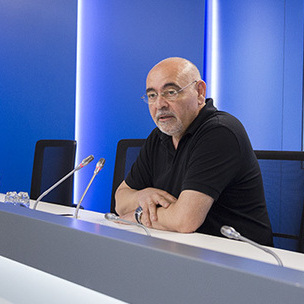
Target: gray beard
(174,130)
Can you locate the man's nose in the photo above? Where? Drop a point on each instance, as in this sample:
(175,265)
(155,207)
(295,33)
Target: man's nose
(160,102)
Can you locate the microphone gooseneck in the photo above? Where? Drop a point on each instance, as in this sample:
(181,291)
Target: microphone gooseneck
(113,217)
(231,233)
(98,167)
(85,162)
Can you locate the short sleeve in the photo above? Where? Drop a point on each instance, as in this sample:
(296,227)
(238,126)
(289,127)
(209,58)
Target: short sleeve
(214,162)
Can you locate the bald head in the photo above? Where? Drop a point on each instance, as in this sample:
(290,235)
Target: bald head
(182,68)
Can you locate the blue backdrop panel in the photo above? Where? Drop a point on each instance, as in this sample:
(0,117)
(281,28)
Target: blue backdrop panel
(292,124)
(261,68)
(119,41)
(37,82)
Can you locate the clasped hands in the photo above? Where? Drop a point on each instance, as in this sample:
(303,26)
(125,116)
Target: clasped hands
(150,199)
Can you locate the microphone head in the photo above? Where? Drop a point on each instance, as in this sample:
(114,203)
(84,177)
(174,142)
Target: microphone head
(111,217)
(99,165)
(87,160)
(230,232)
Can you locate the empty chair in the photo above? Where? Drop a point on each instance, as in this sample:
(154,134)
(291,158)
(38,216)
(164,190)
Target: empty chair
(53,159)
(283,179)
(126,154)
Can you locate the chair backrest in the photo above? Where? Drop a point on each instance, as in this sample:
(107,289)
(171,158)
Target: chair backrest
(53,159)
(126,154)
(283,179)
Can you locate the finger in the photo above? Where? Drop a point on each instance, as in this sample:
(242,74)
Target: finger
(152,211)
(170,198)
(164,201)
(145,218)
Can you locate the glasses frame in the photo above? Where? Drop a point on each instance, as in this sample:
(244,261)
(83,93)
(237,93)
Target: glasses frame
(146,99)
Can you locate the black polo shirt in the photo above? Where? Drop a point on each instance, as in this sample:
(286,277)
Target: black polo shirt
(214,157)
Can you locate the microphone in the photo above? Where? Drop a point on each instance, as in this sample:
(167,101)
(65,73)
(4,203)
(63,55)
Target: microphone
(98,167)
(114,218)
(231,233)
(84,162)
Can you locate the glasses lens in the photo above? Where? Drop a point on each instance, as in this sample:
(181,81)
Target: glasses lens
(151,97)
(170,94)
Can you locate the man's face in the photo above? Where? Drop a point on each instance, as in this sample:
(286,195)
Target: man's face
(172,117)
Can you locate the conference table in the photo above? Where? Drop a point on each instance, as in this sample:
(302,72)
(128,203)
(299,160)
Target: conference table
(289,258)
(102,261)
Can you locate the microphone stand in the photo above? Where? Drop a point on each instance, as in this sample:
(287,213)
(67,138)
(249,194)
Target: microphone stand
(244,239)
(80,201)
(99,166)
(231,233)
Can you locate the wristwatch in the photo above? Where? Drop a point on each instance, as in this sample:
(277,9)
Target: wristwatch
(138,214)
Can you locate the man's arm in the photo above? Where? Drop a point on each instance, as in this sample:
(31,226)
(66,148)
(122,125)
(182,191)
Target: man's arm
(128,199)
(184,214)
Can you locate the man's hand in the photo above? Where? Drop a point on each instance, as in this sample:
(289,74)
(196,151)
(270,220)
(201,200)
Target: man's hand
(184,214)
(149,199)
(127,200)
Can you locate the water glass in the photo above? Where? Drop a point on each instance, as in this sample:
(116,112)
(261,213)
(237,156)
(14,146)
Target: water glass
(20,199)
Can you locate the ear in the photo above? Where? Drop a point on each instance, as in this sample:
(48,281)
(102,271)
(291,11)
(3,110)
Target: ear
(201,89)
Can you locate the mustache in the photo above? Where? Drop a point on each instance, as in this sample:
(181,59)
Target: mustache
(164,113)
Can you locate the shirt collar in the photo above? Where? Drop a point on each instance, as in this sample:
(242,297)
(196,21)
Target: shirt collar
(202,116)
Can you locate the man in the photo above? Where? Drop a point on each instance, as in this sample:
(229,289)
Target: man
(196,171)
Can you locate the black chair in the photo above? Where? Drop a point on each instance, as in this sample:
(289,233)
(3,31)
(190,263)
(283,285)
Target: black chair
(283,179)
(53,159)
(126,154)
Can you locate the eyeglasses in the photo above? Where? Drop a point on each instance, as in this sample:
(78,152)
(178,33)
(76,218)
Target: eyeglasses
(170,95)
